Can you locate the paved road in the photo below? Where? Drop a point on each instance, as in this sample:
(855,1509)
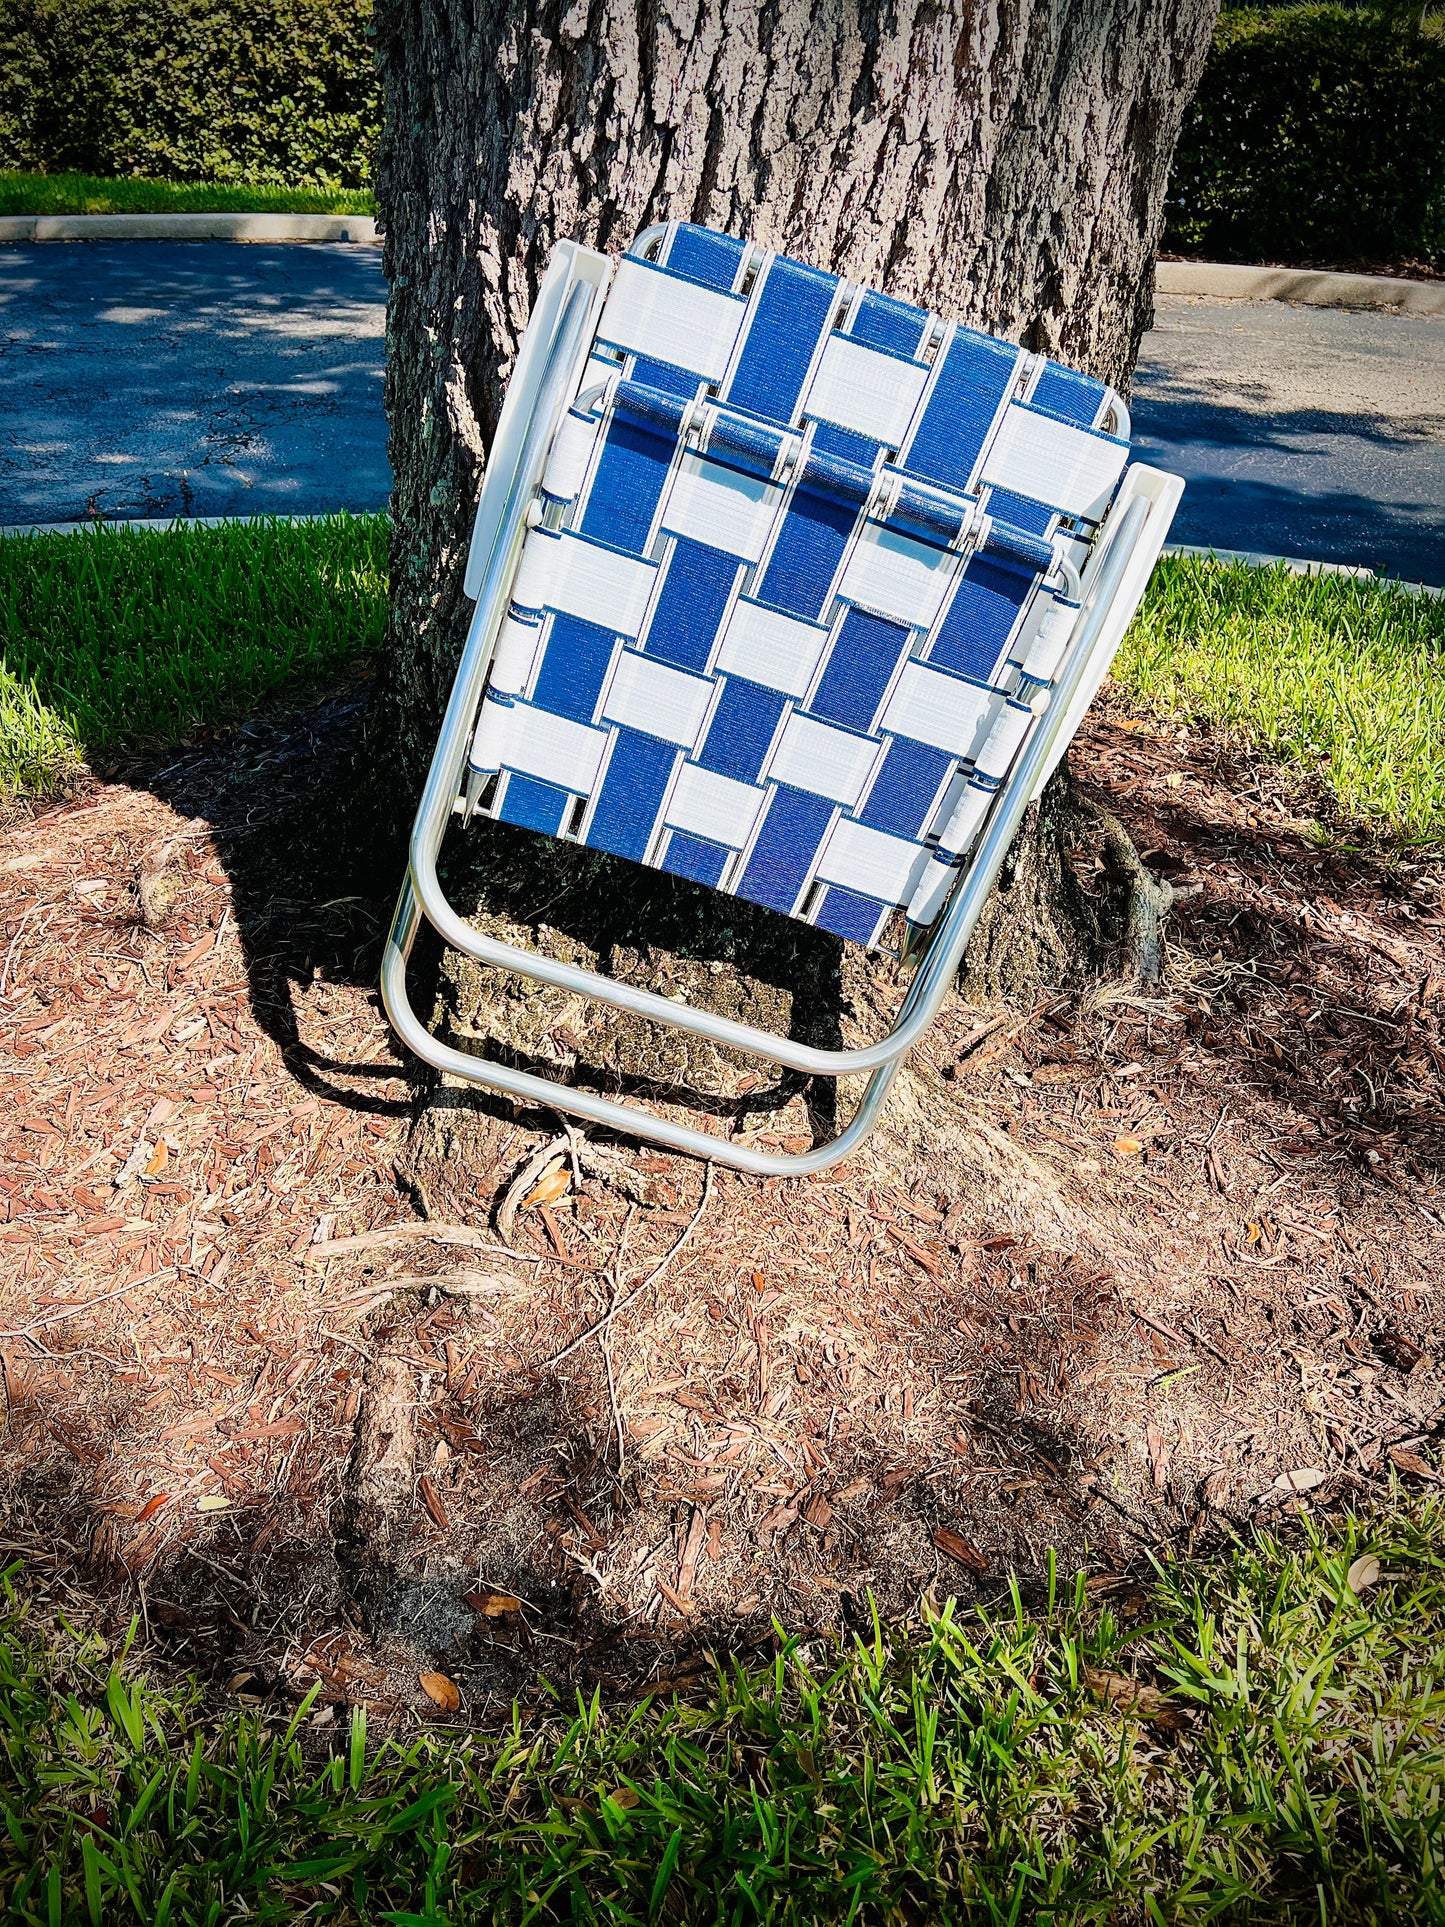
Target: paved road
(1300,431)
(215,379)
(175,378)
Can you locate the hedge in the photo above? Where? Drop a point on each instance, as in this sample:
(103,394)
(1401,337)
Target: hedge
(1317,135)
(271,91)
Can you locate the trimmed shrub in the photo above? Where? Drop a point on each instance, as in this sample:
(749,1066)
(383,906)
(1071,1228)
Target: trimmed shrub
(270,91)
(1318,134)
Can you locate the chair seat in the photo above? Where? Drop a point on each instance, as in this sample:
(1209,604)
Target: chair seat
(807,566)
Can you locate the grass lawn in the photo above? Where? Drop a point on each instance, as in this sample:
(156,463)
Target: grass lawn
(118,639)
(1259,1740)
(114,639)
(1346,677)
(93,194)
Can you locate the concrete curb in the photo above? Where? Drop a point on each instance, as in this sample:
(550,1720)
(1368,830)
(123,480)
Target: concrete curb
(1312,287)
(165,524)
(1297,565)
(189,227)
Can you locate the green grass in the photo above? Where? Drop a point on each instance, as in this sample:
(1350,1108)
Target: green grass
(963,1769)
(1347,677)
(93,194)
(119,639)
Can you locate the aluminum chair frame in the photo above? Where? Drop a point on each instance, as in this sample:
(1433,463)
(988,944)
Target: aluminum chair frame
(549,367)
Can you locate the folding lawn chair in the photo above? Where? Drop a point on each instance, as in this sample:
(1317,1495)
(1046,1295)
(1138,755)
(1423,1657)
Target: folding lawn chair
(786,587)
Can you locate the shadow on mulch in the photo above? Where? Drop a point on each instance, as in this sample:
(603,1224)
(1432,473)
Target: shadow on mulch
(310,903)
(1306,914)
(314,881)
(893,1378)
(307,902)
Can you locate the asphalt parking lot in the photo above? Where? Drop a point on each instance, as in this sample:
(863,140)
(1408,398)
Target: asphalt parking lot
(1317,432)
(157,378)
(214,378)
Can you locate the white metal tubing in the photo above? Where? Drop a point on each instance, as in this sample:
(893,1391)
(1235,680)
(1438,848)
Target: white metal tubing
(629,1118)
(956,926)
(554,381)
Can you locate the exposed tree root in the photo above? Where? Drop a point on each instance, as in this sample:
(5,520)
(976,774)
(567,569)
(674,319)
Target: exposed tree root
(1044,928)
(1149,901)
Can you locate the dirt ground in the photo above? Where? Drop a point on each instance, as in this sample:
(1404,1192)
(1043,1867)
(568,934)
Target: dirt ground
(1117,1273)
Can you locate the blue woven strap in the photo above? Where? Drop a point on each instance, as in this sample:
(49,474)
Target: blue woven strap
(800,588)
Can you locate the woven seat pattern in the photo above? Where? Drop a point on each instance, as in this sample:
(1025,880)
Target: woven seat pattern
(805,570)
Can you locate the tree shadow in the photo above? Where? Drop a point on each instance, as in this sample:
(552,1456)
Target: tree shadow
(1319,998)
(309,899)
(1357,489)
(191,378)
(314,876)
(863,1470)
(504,1543)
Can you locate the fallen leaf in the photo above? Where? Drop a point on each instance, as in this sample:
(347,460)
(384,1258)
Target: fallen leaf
(440,1691)
(777,1518)
(134,1164)
(1304,1480)
(432,1500)
(151,1507)
(625,1797)
(1363,1573)
(1398,1351)
(158,1159)
(551,1185)
(492,1605)
(957,1547)
(1158,1456)
(1406,1461)
(212,1502)
(1127,1147)
(1128,1695)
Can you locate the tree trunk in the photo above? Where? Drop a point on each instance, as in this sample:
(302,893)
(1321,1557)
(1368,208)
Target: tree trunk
(1003,164)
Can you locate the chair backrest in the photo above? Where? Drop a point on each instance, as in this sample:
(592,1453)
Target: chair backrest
(808,561)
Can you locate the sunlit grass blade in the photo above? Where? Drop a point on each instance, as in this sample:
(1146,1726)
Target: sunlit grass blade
(1344,676)
(116,640)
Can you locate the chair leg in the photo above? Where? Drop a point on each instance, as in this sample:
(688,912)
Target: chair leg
(629,1118)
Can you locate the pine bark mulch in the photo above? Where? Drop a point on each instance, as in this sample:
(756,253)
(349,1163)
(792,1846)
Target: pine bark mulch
(1115,1275)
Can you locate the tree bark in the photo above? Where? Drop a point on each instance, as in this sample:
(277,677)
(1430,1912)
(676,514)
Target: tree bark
(1002,161)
